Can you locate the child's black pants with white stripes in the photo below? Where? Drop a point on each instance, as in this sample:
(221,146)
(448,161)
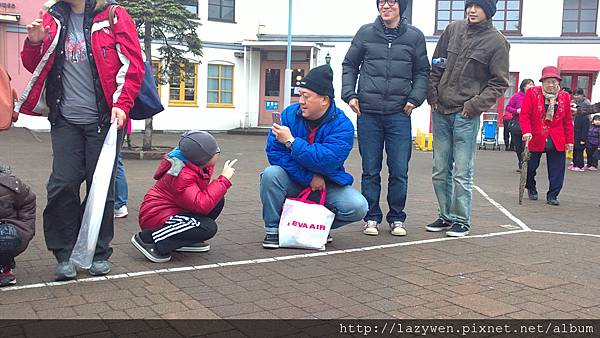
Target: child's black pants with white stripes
(183,229)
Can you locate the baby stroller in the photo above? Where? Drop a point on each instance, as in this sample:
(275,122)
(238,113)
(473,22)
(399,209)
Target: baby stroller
(489,131)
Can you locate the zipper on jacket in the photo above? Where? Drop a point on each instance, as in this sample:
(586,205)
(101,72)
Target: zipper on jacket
(104,52)
(90,57)
(387,71)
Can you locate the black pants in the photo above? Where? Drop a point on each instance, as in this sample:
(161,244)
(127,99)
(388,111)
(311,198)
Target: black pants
(556,172)
(517,141)
(76,149)
(591,161)
(578,159)
(507,138)
(184,229)
(7,261)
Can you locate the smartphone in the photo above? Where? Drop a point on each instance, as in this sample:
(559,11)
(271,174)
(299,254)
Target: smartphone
(276,117)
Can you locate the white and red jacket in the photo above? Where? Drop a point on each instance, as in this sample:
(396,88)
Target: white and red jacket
(116,59)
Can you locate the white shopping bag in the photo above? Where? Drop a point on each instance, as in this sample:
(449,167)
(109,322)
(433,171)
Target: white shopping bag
(305,224)
(83,252)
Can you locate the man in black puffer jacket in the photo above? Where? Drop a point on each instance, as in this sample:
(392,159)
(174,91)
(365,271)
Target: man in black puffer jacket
(391,58)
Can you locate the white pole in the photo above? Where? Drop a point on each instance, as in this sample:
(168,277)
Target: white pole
(287,87)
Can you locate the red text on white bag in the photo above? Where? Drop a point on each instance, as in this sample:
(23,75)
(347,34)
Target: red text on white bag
(304,225)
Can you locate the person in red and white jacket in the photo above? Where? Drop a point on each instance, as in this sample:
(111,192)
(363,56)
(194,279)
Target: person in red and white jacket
(87,72)
(178,213)
(547,126)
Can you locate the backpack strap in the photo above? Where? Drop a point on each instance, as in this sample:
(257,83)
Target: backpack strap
(111,16)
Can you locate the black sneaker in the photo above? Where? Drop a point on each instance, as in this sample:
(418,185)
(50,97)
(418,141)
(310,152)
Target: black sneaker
(271,241)
(196,247)
(458,230)
(553,202)
(329,239)
(149,250)
(438,225)
(533,195)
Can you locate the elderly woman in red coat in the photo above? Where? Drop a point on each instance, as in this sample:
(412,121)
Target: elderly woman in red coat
(547,127)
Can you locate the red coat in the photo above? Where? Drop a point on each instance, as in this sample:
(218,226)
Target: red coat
(189,192)
(533,120)
(117,56)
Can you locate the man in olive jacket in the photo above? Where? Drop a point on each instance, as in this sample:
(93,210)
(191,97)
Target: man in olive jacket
(472,76)
(391,58)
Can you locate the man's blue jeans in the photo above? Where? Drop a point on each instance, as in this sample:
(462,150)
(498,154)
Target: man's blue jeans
(121,189)
(454,145)
(394,133)
(345,202)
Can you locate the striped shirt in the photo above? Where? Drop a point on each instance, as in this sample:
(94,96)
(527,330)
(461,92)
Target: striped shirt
(390,33)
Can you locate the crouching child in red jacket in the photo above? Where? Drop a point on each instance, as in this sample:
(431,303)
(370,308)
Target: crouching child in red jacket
(178,213)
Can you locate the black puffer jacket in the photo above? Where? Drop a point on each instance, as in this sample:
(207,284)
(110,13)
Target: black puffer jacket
(391,74)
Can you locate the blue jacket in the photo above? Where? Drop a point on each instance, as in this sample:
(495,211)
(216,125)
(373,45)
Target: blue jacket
(326,156)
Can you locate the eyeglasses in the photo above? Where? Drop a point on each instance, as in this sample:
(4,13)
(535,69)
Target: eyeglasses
(390,2)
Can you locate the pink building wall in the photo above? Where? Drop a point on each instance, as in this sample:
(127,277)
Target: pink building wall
(12,42)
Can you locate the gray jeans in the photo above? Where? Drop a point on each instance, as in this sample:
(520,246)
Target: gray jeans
(76,149)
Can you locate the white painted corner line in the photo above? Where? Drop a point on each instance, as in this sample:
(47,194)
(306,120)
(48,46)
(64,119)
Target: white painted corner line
(503,209)
(577,234)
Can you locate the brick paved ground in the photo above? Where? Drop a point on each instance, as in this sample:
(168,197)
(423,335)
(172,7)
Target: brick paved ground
(518,275)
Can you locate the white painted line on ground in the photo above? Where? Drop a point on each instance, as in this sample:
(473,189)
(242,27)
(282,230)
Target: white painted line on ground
(565,233)
(503,209)
(255,261)
(524,228)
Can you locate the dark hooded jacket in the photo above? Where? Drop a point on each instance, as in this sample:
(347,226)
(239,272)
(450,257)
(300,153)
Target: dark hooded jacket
(391,73)
(17,207)
(476,73)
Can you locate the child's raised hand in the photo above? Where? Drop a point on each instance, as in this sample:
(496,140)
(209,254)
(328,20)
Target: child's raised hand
(228,169)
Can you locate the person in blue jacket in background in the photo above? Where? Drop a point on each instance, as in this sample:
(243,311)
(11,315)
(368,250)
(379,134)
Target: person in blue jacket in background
(309,148)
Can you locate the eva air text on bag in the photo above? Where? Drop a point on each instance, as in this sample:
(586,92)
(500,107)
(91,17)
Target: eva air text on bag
(305,224)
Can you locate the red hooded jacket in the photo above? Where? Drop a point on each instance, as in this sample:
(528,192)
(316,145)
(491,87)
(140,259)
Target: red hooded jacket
(189,192)
(533,121)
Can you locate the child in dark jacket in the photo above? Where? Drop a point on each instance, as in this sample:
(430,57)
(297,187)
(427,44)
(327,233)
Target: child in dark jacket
(593,145)
(178,213)
(17,222)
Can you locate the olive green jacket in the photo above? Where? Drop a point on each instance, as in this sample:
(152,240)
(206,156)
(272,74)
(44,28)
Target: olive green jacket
(476,72)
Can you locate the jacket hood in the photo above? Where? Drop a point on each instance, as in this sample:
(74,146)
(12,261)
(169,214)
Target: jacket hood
(379,25)
(173,166)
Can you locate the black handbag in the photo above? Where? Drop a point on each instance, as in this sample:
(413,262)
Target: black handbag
(549,144)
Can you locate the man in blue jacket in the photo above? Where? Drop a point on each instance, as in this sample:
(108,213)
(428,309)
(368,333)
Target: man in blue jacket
(391,59)
(309,149)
